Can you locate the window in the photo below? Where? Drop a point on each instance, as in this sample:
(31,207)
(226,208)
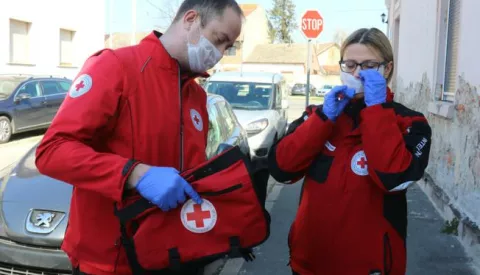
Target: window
(8,84)
(66,47)
(243,95)
(31,88)
(214,132)
(229,122)
(448,39)
(278,96)
(232,51)
(453,35)
(52,88)
(64,86)
(19,42)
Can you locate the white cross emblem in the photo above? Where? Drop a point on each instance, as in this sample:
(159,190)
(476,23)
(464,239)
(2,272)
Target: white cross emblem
(81,86)
(196,119)
(198,218)
(359,164)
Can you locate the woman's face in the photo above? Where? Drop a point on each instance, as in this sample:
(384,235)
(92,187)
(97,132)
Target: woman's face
(370,58)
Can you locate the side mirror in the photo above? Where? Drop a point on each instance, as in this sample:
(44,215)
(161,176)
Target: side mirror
(21,97)
(222,147)
(284,104)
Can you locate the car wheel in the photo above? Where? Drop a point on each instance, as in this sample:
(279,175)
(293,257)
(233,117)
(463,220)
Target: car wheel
(5,129)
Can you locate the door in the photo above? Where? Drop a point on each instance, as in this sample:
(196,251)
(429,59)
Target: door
(54,92)
(30,107)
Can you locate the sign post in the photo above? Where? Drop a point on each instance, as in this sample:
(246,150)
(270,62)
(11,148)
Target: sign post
(312,26)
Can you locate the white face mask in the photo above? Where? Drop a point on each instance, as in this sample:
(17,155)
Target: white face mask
(352,82)
(203,55)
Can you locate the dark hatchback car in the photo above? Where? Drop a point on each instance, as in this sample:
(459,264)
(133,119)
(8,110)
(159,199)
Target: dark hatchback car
(29,102)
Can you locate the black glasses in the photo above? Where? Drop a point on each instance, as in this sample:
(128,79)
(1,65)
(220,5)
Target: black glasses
(349,66)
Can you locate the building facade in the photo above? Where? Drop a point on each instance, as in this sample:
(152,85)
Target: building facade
(291,61)
(437,73)
(255,31)
(49,39)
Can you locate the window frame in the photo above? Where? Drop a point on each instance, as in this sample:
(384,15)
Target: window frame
(61,62)
(27,59)
(448,37)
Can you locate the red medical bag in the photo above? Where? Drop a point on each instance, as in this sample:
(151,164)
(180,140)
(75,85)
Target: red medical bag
(231,220)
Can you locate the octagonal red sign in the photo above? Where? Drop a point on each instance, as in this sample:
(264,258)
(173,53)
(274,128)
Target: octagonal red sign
(312,24)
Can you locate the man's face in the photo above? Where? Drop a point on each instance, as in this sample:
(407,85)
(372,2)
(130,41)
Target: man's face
(222,31)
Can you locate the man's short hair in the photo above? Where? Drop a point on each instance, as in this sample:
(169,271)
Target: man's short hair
(207,9)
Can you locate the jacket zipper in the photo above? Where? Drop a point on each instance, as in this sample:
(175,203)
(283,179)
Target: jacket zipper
(222,192)
(181,117)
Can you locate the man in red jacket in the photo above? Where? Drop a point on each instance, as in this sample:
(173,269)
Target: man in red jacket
(133,118)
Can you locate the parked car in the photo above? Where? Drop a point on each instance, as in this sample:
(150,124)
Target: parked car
(323,90)
(301,89)
(29,102)
(34,208)
(260,103)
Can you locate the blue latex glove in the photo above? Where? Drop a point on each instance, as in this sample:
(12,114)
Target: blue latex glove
(375,87)
(333,106)
(164,187)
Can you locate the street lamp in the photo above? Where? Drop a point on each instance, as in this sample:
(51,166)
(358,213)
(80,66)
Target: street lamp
(383,18)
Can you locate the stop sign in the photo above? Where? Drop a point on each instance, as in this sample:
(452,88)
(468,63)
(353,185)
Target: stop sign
(312,24)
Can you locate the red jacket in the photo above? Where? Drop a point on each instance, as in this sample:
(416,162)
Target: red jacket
(352,216)
(126,106)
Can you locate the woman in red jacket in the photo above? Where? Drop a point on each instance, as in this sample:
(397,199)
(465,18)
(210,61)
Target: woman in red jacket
(358,152)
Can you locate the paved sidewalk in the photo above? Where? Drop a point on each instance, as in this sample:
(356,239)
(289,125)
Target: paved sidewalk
(429,251)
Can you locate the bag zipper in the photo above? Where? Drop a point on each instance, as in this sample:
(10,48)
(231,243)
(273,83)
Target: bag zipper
(221,192)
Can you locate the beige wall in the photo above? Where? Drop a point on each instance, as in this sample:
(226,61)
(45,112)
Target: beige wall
(454,166)
(255,30)
(329,57)
(38,48)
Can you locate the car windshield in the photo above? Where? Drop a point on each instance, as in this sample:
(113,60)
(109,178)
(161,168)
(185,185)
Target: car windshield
(8,85)
(328,87)
(243,95)
(298,86)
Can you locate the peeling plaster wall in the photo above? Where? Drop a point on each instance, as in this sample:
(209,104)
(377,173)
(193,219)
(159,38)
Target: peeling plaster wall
(455,155)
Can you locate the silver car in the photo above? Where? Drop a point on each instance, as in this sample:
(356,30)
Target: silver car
(34,208)
(260,101)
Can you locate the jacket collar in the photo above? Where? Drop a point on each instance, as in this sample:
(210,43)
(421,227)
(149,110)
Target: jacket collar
(164,59)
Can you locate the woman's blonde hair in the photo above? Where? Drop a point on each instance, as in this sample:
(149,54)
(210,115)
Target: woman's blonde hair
(375,39)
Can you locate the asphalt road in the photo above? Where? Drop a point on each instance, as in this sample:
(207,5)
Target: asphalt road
(297,105)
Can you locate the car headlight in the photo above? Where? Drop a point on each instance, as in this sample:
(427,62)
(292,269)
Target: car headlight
(257,126)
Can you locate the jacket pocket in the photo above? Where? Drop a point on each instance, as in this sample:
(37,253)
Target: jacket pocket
(387,254)
(320,167)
